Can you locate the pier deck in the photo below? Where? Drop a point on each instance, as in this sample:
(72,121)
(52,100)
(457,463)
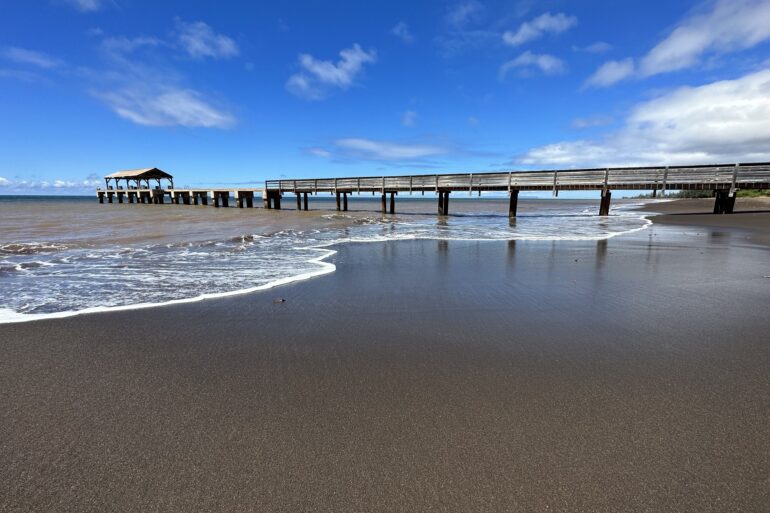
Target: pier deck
(723,179)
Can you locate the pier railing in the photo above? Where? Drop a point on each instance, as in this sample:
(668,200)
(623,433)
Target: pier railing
(714,177)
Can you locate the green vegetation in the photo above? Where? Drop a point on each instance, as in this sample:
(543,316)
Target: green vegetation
(749,193)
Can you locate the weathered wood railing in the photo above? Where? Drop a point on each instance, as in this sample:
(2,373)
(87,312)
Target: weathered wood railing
(713,177)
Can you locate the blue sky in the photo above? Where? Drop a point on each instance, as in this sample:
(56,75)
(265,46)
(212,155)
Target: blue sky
(239,92)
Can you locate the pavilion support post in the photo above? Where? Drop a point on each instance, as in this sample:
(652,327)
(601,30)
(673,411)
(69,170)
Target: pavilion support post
(131,197)
(383,202)
(392,203)
(194,198)
(304,200)
(214,199)
(337,195)
(225,199)
(345,201)
(513,203)
(299,201)
(101,197)
(604,205)
(120,198)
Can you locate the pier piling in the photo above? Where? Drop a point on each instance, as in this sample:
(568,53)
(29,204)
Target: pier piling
(604,205)
(724,202)
(513,203)
(392,203)
(304,200)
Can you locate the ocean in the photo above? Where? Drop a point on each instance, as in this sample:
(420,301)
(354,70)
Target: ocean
(60,256)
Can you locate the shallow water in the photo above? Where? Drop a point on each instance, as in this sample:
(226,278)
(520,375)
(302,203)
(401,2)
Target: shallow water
(59,256)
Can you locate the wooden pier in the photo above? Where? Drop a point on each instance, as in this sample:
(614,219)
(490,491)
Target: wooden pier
(724,180)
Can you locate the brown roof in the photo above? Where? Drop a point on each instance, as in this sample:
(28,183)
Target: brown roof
(150,172)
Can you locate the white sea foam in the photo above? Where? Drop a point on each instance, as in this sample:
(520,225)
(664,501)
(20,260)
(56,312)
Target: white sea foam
(61,281)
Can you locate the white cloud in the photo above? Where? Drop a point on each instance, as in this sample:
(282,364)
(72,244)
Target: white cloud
(370,149)
(611,72)
(726,121)
(716,28)
(200,41)
(166,106)
(24,56)
(731,25)
(548,64)
(534,29)
(409,118)
(86,5)
(401,31)
(162,100)
(4,182)
(317,76)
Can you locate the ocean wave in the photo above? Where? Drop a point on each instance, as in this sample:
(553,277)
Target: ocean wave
(77,280)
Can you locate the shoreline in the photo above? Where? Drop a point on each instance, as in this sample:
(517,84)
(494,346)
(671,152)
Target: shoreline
(662,211)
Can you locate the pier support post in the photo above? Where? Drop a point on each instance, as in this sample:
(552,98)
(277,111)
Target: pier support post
(277,201)
(109,197)
(443,203)
(299,201)
(392,203)
(304,200)
(339,207)
(604,206)
(513,203)
(345,201)
(724,203)
(120,198)
(384,203)
(101,197)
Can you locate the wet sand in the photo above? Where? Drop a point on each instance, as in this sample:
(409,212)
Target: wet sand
(622,375)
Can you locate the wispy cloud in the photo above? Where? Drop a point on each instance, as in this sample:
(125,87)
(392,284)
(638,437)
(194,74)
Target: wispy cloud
(318,77)
(596,47)
(409,118)
(200,41)
(611,72)
(86,5)
(29,57)
(536,28)
(162,101)
(527,61)
(715,28)
(591,122)
(726,121)
(463,29)
(388,151)
(63,184)
(166,105)
(401,31)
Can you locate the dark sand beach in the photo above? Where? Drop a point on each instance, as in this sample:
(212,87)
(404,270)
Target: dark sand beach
(623,375)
